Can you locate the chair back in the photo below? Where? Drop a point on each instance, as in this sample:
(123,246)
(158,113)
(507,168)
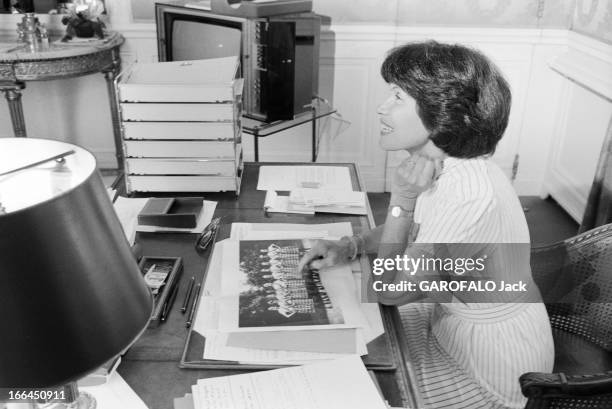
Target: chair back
(575,279)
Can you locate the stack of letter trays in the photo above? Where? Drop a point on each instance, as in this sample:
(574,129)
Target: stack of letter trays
(181,125)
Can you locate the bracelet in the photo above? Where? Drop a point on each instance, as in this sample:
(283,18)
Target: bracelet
(355,242)
(407,204)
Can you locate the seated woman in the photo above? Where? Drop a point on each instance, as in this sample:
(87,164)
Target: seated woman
(448,108)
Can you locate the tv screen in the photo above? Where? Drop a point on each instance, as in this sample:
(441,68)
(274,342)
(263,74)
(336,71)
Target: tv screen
(279,55)
(198,40)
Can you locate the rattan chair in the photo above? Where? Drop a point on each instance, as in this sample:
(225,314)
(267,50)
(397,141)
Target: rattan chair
(575,278)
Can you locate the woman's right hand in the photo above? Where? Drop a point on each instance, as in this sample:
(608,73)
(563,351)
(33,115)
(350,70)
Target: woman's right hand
(326,253)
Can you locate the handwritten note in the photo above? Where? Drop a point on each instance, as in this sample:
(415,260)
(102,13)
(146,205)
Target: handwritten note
(330,384)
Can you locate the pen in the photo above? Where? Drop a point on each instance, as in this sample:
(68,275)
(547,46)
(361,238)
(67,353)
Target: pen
(168,305)
(189,289)
(193,306)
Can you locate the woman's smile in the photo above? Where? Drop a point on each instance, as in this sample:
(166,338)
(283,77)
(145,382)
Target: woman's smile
(385,129)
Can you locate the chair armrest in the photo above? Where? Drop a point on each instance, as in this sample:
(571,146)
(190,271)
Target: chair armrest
(558,385)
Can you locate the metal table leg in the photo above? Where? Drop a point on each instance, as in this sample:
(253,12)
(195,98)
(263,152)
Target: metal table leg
(12,92)
(256,144)
(110,74)
(314,135)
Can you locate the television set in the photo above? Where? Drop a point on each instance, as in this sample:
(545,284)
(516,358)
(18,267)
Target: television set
(279,54)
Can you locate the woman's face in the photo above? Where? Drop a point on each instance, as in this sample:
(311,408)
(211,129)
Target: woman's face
(400,125)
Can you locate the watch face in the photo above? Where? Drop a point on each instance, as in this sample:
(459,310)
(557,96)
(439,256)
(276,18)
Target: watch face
(396,211)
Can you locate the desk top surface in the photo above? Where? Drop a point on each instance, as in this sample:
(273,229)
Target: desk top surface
(151,366)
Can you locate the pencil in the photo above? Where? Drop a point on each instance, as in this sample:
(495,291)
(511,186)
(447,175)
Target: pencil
(193,306)
(188,295)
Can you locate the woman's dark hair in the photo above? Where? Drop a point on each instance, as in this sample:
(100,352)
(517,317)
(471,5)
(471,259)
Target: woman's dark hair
(462,98)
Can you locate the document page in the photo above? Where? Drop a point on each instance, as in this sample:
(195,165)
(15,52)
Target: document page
(330,384)
(327,197)
(115,393)
(267,231)
(127,211)
(287,178)
(217,348)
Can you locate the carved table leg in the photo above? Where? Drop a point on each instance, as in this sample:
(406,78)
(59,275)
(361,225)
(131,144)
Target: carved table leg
(110,76)
(12,93)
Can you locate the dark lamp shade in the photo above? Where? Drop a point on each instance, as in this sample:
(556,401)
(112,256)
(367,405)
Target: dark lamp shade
(71,293)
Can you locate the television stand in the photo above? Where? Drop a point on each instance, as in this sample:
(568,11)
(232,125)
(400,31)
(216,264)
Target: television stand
(260,129)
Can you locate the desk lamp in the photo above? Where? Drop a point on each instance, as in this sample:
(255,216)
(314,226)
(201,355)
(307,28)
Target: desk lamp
(71,294)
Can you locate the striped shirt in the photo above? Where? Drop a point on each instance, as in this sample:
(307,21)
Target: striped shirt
(469,355)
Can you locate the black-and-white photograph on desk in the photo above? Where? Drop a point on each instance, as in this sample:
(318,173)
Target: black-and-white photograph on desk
(275,293)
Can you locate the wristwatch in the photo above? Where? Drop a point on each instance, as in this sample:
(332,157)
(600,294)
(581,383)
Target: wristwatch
(398,211)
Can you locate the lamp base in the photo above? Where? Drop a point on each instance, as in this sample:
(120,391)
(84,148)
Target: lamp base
(85,400)
(74,399)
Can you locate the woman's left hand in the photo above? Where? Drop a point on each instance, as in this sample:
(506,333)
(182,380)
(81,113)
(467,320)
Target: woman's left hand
(416,174)
(413,176)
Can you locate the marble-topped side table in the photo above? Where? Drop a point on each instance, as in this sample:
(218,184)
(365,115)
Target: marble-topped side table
(61,60)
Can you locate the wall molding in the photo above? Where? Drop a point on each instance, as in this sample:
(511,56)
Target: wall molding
(558,181)
(587,62)
(385,33)
(137,30)
(481,35)
(484,35)
(586,72)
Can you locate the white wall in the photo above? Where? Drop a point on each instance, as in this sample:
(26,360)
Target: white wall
(584,72)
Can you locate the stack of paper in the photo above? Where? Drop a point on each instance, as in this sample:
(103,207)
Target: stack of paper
(275,203)
(256,309)
(329,200)
(317,386)
(311,200)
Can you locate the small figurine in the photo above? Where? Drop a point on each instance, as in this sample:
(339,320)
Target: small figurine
(79,26)
(84,20)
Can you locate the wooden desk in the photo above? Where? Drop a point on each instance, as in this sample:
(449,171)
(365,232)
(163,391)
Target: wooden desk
(151,365)
(61,60)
